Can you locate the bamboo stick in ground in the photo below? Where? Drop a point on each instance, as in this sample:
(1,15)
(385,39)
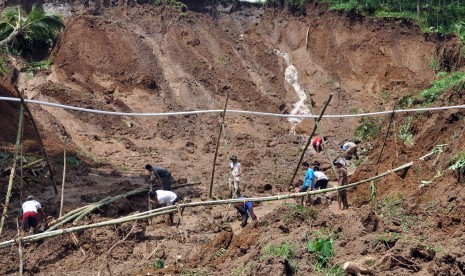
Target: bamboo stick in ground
(13,169)
(387,132)
(47,159)
(155,250)
(309,100)
(20,249)
(170,209)
(218,144)
(309,140)
(64,176)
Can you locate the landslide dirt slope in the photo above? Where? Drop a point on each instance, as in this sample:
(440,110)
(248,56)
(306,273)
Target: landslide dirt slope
(156,59)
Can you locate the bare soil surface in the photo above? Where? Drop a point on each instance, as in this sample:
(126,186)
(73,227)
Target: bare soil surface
(152,59)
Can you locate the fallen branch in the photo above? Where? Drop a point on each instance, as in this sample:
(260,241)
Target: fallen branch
(155,250)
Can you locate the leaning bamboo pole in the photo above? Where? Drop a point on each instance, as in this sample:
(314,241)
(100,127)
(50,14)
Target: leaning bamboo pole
(387,132)
(20,250)
(64,177)
(309,100)
(218,145)
(310,139)
(47,159)
(13,169)
(171,209)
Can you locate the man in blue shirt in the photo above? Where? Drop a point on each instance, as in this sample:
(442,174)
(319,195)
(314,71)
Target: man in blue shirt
(161,176)
(309,181)
(243,208)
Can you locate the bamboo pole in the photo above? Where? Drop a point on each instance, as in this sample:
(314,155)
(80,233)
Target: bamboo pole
(218,144)
(64,176)
(32,163)
(47,159)
(309,100)
(20,250)
(13,169)
(171,209)
(310,139)
(387,133)
(306,38)
(186,184)
(21,167)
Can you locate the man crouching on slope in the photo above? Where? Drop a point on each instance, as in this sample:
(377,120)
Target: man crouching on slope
(161,198)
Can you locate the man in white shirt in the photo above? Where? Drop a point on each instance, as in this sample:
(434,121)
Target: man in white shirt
(161,198)
(31,209)
(351,149)
(321,179)
(234,180)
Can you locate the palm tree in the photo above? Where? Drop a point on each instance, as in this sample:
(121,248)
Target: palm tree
(37,28)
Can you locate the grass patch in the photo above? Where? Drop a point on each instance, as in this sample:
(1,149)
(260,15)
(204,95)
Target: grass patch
(299,211)
(387,240)
(89,156)
(284,250)
(455,79)
(391,212)
(245,270)
(35,66)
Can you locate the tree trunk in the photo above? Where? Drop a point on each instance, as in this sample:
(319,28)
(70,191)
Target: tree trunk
(9,38)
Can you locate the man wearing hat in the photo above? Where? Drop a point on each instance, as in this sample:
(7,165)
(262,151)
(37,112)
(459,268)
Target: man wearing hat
(342,181)
(234,180)
(31,207)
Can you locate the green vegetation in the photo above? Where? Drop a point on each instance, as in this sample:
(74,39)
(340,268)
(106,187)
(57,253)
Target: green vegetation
(284,250)
(194,272)
(71,160)
(454,80)
(245,270)
(159,264)
(391,212)
(178,4)
(221,252)
(387,239)
(432,16)
(297,210)
(35,66)
(321,245)
(404,131)
(369,128)
(27,34)
(457,161)
(89,156)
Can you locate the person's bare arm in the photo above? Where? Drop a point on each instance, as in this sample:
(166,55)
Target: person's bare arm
(240,170)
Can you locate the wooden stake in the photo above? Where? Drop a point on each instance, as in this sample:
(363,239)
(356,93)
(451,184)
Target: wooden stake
(182,230)
(47,159)
(387,133)
(218,144)
(171,209)
(306,38)
(310,140)
(20,249)
(309,100)
(13,169)
(64,176)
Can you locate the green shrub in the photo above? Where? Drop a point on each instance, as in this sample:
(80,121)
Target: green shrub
(404,131)
(284,250)
(322,247)
(457,161)
(369,128)
(443,84)
(159,264)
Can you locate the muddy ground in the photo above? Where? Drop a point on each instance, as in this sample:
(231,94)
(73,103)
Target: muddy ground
(149,59)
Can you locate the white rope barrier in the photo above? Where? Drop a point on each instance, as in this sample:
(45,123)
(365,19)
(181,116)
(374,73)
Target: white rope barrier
(196,112)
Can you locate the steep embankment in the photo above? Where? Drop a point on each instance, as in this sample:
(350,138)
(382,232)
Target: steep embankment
(156,59)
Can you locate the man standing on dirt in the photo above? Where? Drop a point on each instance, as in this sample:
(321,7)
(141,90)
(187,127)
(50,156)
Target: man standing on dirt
(162,198)
(317,143)
(31,209)
(234,181)
(245,208)
(351,149)
(342,181)
(161,176)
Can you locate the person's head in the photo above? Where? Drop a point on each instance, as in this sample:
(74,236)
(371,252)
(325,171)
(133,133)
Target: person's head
(325,138)
(339,163)
(30,197)
(234,158)
(316,168)
(148,167)
(305,165)
(153,197)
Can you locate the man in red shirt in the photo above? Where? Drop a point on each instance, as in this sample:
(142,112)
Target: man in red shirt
(317,143)
(31,209)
